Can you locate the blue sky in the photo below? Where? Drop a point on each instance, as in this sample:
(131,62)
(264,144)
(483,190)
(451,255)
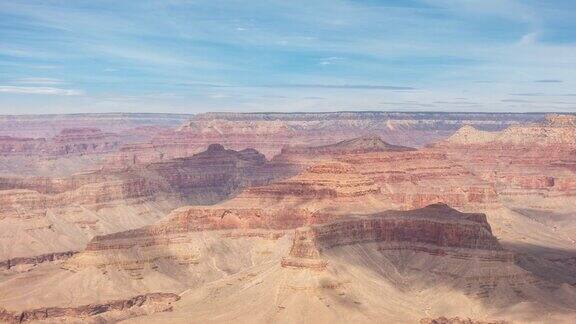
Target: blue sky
(183,56)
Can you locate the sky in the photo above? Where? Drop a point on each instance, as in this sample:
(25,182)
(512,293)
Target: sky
(191,56)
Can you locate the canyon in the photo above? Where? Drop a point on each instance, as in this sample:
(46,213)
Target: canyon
(306,217)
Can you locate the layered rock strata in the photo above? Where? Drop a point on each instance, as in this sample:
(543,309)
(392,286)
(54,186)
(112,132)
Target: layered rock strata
(523,159)
(49,257)
(67,212)
(217,171)
(68,142)
(269,132)
(406,177)
(148,303)
(433,229)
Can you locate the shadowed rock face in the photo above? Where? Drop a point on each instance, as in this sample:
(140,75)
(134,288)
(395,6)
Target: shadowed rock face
(35,260)
(436,225)
(216,170)
(70,211)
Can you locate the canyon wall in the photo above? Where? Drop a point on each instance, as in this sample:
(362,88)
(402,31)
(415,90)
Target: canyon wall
(270,132)
(152,302)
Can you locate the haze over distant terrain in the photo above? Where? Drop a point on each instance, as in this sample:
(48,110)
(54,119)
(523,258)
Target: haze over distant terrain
(196,56)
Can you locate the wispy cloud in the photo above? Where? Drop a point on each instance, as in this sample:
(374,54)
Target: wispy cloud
(527,94)
(515,100)
(548,81)
(304,86)
(39,81)
(341,86)
(40,91)
(330,60)
(280,54)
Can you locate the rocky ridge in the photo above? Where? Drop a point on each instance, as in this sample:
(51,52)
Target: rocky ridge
(142,304)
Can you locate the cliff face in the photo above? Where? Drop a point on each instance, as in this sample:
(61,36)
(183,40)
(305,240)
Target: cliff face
(138,305)
(270,132)
(73,209)
(48,126)
(69,141)
(341,226)
(434,226)
(216,170)
(520,159)
(406,177)
(555,130)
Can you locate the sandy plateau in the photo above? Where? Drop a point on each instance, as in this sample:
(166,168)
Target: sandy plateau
(290,218)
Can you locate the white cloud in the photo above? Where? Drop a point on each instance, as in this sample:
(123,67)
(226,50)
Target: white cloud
(39,81)
(40,91)
(331,60)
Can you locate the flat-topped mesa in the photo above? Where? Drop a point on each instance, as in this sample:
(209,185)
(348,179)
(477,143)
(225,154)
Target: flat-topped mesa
(364,144)
(432,229)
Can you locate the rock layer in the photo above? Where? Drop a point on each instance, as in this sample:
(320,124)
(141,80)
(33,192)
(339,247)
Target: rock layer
(152,302)
(436,225)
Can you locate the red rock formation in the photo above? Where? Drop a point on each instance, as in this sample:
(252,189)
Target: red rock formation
(68,141)
(148,303)
(217,171)
(269,132)
(457,320)
(521,158)
(48,126)
(17,145)
(408,178)
(36,259)
(365,144)
(84,140)
(419,178)
(436,225)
